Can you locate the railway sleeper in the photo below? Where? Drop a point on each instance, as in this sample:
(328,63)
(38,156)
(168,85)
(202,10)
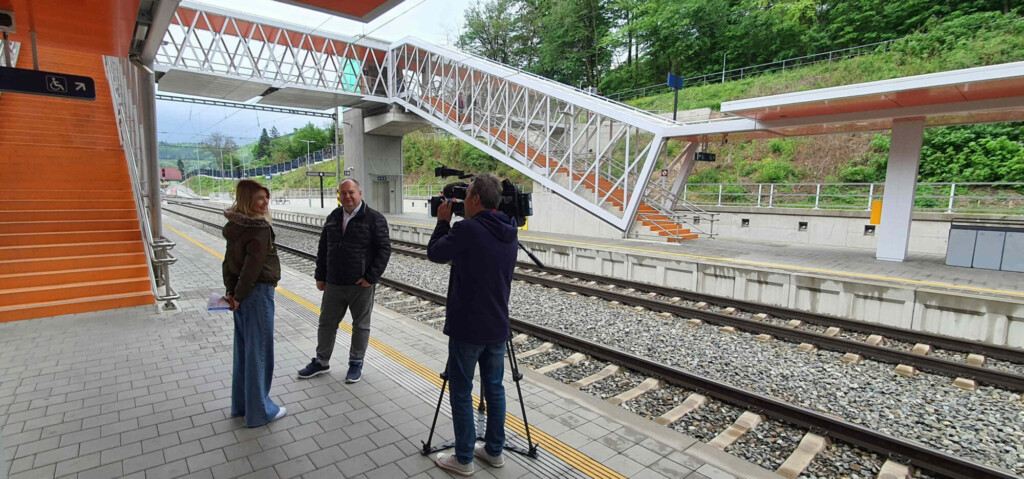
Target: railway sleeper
(649,384)
(432,312)
(692,402)
(909,371)
(535,351)
(746,422)
(894,470)
(852,358)
(810,446)
(608,371)
(572,359)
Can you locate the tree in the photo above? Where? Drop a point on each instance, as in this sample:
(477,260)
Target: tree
(261,151)
(493,30)
(181,166)
(274,134)
(220,147)
(571,49)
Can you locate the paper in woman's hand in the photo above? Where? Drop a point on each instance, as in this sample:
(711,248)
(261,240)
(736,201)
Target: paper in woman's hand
(218,303)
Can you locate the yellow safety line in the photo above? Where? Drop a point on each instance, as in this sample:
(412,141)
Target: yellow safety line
(759,263)
(567,454)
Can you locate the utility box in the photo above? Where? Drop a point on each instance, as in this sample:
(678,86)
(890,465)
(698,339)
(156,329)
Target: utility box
(986,244)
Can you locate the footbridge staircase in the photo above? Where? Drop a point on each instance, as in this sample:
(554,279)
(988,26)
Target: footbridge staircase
(597,153)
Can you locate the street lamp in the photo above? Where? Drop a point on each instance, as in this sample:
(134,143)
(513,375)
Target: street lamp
(309,185)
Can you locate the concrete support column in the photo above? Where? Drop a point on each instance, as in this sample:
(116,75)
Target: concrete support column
(900,185)
(687,157)
(150,154)
(375,162)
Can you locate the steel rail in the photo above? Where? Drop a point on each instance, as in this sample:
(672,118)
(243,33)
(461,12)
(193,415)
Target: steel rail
(920,455)
(944,367)
(926,363)
(1005,353)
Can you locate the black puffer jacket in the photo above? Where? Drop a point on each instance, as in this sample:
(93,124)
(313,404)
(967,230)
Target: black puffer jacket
(362,251)
(250,257)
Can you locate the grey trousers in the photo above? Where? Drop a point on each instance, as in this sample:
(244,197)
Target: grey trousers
(336,300)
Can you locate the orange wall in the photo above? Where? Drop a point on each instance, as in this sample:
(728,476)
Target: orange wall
(96,26)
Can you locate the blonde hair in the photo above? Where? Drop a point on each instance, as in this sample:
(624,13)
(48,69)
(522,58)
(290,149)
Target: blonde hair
(244,193)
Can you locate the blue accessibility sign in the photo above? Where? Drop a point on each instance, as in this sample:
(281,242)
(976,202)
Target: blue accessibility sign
(35,82)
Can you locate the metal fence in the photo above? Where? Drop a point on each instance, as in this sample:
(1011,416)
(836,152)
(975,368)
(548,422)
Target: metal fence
(740,73)
(994,198)
(421,190)
(316,157)
(980,198)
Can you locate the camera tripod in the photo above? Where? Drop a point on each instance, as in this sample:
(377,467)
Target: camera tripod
(531,450)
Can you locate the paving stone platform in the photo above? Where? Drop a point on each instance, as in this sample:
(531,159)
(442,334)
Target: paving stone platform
(145,394)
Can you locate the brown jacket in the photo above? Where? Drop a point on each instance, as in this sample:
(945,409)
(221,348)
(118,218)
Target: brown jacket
(251,256)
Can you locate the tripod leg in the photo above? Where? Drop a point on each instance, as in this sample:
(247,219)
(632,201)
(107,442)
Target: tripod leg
(483,402)
(517,376)
(444,383)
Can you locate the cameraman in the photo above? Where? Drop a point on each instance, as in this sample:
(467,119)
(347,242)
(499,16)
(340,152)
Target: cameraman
(482,250)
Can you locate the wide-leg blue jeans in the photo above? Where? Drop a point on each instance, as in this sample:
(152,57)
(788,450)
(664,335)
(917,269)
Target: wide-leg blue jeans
(462,360)
(254,358)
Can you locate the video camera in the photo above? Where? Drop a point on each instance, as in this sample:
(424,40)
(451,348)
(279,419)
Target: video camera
(514,202)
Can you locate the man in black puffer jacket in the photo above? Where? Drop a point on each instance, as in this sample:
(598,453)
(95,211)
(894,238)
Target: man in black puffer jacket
(354,251)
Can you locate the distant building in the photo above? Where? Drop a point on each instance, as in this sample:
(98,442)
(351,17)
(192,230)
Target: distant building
(168,173)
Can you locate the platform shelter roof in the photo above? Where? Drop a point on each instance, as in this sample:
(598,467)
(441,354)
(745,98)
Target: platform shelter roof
(973,95)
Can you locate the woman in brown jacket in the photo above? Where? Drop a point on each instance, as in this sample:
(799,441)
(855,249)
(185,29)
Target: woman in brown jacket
(251,271)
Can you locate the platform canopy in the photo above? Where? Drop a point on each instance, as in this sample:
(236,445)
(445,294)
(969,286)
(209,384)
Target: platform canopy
(973,95)
(359,10)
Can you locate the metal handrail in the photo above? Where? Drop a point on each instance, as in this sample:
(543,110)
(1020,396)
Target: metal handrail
(454,54)
(863,194)
(125,113)
(14,47)
(657,196)
(742,72)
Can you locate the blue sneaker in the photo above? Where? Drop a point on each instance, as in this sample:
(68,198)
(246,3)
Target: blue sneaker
(314,368)
(355,372)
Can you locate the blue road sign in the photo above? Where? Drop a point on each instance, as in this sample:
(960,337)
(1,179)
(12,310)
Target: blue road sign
(675,81)
(35,82)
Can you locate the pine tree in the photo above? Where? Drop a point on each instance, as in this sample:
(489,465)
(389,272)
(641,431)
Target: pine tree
(261,150)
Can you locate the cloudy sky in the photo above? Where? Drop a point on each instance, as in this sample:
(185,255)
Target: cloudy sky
(437,21)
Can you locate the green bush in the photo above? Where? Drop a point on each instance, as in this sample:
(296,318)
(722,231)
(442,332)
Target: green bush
(783,147)
(771,170)
(709,175)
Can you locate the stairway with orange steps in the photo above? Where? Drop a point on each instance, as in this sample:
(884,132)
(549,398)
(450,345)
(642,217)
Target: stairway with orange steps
(647,216)
(70,240)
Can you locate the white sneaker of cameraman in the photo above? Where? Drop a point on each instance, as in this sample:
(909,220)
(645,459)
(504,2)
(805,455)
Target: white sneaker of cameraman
(481,452)
(448,462)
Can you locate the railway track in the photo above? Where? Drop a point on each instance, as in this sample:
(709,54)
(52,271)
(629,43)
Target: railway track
(910,359)
(823,424)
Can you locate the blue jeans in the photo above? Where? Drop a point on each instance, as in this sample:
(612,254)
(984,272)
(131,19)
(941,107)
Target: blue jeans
(254,357)
(462,360)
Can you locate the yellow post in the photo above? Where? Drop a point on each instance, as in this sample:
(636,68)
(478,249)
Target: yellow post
(876,212)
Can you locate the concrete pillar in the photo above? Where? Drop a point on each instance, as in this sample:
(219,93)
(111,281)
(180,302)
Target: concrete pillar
(684,171)
(375,162)
(900,184)
(150,155)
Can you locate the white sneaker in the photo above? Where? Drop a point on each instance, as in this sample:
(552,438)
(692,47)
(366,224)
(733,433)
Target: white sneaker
(280,413)
(448,461)
(494,461)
